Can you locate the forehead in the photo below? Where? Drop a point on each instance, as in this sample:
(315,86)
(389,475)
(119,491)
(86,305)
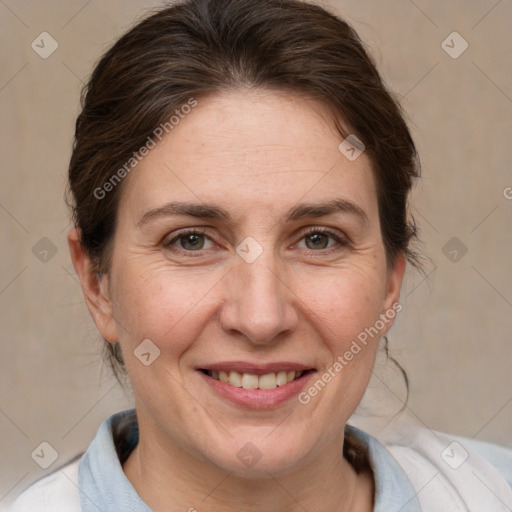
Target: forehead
(251,150)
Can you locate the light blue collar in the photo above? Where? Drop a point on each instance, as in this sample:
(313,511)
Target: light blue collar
(101,480)
(393,490)
(105,488)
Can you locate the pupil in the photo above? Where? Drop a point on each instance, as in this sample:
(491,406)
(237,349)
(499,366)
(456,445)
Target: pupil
(192,242)
(318,240)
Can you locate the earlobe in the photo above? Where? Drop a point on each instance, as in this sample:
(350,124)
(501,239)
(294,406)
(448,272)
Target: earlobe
(395,277)
(94,287)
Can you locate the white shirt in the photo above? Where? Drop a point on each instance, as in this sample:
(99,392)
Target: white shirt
(415,470)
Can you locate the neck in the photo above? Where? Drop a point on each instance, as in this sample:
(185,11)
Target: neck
(170,475)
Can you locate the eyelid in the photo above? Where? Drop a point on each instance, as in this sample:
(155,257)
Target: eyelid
(184,232)
(341,239)
(323,229)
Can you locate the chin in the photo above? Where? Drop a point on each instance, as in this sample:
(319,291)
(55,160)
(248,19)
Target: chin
(255,455)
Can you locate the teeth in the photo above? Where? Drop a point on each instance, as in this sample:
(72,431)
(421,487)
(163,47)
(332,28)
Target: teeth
(235,379)
(281,379)
(251,381)
(268,381)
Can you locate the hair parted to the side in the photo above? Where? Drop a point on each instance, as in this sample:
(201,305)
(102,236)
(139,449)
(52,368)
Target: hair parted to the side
(197,48)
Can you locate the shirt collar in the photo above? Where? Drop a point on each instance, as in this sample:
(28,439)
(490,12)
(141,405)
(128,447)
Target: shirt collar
(393,490)
(104,486)
(102,483)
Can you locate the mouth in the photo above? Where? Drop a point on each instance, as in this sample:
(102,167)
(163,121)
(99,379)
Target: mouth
(256,386)
(248,381)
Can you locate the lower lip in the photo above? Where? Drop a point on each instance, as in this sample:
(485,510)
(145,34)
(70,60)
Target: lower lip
(258,398)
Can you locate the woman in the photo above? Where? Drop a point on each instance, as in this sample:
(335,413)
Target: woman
(239,187)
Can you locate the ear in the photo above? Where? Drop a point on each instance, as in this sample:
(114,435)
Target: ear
(395,276)
(94,287)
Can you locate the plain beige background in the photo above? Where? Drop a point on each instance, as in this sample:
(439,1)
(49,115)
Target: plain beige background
(454,335)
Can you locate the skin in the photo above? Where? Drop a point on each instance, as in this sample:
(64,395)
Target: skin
(256,154)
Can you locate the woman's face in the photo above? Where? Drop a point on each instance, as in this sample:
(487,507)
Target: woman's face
(284,269)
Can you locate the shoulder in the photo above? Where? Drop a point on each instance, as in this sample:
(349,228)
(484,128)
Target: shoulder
(453,470)
(77,481)
(56,492)
(499,457)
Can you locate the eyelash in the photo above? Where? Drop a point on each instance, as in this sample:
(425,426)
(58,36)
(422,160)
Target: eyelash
(341,241)
(181,234)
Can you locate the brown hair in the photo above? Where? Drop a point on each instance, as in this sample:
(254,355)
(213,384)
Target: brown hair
(200,47)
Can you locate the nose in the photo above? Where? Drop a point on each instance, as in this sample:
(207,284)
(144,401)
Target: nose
(260,303)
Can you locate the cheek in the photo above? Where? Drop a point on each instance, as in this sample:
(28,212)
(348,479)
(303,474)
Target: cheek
(343,303)
(344,309)
(153,301)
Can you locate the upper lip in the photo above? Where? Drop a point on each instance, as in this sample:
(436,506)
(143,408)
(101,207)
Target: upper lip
(255,368)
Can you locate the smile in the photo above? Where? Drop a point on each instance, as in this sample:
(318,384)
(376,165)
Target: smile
(251,381)
(256,385)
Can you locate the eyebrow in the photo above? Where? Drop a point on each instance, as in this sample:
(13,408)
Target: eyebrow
(302,210)
(200,211)
(299,211)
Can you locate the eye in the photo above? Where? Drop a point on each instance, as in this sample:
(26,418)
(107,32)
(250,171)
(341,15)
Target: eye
(191,240)
(319,239)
